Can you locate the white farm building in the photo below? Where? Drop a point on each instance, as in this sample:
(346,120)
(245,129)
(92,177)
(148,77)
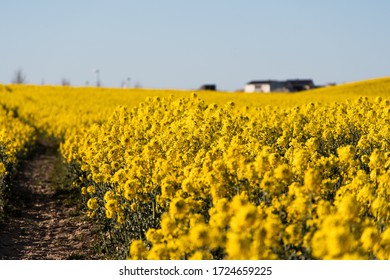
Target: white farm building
(278,86)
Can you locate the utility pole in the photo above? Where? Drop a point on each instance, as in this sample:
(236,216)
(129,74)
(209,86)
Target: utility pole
(97,72)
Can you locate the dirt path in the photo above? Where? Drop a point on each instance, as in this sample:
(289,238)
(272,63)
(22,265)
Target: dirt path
(44,224)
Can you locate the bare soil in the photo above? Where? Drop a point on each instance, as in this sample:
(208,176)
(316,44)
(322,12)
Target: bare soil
(45,220)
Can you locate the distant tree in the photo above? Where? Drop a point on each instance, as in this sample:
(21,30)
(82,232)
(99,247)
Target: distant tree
(126,83)
(65,82)
(19,77)
(137,85)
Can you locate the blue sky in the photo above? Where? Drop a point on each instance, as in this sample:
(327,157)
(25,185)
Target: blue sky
(184,44)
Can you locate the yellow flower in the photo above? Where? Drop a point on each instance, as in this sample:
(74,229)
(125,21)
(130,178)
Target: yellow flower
(3,171)
(199,235)
(91,189)
(84,191)
(201,255)
(109,213)
(369,238)
(282,172)
(178,208)
(137,250)
(92,203)
(155,236)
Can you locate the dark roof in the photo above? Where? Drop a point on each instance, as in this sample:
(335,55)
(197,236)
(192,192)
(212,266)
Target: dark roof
(209,87)
(301,81)
(263,82)
(296,81)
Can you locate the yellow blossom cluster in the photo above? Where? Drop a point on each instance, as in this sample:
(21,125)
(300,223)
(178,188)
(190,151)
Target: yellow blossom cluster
(200,177)
(182,179)
(15,137)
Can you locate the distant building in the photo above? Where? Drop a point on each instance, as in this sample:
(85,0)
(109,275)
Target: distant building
(278,86)
(265,86)
(299,85)
(208,87)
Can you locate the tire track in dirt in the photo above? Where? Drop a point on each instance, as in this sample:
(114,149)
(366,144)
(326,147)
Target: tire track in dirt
(45,226)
